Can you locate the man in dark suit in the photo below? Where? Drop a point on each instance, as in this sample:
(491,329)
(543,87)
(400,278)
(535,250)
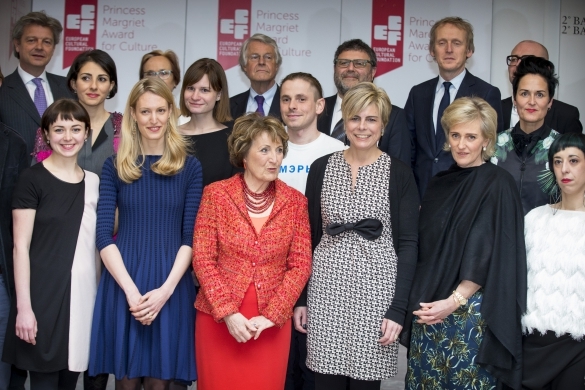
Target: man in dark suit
(13,159)
(451,44)
(355,62)
(26,92)
(260,61)
(561,117)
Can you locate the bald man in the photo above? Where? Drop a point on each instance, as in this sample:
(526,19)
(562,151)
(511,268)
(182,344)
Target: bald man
(561,117)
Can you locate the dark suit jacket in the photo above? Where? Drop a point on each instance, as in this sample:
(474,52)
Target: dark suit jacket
(561,117)
(396,139)
(428,158)
(238,104)
(17,109)
(13,159)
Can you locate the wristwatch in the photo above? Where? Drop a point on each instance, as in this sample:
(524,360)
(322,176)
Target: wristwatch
(460,299)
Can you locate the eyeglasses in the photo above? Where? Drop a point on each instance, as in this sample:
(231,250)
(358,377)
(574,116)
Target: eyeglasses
(256,57)
(514,59)
(163,74)
(359,64)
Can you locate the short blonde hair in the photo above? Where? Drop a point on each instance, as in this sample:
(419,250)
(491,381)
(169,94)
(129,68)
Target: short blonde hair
(247,128)
(362,95)
(175,152)
(471,109)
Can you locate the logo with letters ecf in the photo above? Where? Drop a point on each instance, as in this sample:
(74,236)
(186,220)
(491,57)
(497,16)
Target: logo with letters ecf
(84,21)
(391,33)
(238,26)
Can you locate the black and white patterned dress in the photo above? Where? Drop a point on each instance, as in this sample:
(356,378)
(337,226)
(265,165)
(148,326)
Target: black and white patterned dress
(353,279)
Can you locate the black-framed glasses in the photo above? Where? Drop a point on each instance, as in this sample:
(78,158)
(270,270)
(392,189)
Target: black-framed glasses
(359,64)
(163,74)
(514,59)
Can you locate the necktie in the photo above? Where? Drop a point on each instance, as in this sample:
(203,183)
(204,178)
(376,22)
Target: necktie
(260,100)
(40,98)
(439,133)
(339,131)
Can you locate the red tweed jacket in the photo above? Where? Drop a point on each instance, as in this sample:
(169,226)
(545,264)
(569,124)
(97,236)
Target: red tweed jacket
(228,254)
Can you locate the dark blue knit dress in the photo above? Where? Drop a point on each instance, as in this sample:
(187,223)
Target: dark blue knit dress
(156,217)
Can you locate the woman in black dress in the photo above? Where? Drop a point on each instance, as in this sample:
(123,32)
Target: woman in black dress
(54,212)
(205,100)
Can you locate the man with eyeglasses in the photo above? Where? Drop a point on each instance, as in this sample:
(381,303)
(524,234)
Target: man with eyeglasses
(451,44)
(561,117)
(29,90)
(260,61)
(355,62)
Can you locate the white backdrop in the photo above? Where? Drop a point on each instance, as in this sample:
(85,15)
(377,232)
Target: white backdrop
(506,23)
(308,32)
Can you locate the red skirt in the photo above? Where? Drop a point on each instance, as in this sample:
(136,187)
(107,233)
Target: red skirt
(223,363)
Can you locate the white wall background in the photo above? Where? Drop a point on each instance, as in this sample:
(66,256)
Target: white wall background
(510,21)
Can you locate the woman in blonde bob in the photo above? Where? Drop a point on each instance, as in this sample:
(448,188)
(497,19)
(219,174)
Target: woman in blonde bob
(143,318)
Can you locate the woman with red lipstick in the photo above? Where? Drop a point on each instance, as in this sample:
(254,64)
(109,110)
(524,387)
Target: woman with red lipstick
(205,100)
(252,256)
(523,149)
(54,213)
(93,78)
(469,289)
(143,319)
(554,322)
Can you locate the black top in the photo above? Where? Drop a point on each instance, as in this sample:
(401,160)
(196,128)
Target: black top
(527,162)
(471,227)
(212,152)
(13,159)
(404,215)
(59,208)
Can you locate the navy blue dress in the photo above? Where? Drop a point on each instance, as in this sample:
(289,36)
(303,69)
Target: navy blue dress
(156,217)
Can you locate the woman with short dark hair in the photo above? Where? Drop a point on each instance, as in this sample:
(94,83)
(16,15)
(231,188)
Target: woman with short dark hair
(523,149)
(55,269)
(554,322)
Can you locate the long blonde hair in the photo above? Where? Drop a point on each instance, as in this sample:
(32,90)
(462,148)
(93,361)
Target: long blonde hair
(175,152)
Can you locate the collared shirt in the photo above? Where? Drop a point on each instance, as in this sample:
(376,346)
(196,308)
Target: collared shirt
(514,117)
(336,113)
(440,90)
(31,87)
(268,96)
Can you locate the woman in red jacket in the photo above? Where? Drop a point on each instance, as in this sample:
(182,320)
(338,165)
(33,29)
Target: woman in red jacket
(252,256)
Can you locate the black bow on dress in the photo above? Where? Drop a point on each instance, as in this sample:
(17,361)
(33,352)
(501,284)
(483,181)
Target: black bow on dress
(368,228)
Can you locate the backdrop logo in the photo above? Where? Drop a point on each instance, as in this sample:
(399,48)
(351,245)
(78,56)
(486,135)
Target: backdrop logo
(79,34)
(238,26)
(387,34)
(233,30)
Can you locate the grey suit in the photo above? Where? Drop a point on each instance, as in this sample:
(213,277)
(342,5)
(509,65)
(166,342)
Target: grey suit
(17,109)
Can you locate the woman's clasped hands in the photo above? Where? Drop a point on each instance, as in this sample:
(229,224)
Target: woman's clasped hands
(145,308)
(243,329)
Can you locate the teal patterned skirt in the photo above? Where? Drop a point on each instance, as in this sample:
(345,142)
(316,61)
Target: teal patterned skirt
(442,356)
